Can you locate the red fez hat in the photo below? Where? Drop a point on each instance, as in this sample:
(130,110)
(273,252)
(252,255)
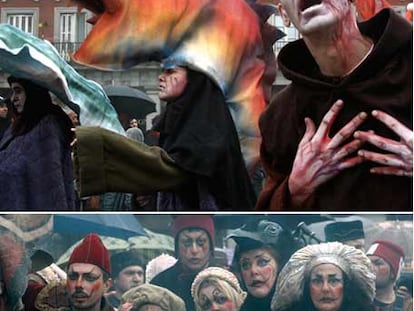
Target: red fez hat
(390,252)
(91,251)
(204,222)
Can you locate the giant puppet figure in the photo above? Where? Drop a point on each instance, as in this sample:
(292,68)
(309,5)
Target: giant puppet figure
(226,50)
(229,41)
(348,80)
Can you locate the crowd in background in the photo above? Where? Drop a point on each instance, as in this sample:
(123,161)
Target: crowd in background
(269,270)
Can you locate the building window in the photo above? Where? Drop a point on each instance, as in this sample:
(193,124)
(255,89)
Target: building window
(22,18)
(71,30)
(21,21)
(68,27)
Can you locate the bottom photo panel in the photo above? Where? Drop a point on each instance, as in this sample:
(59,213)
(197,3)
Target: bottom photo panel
(198,262)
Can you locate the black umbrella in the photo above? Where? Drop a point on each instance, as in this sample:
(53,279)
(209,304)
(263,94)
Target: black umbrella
(134,103)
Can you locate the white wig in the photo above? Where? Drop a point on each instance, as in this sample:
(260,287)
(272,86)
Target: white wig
(291,280)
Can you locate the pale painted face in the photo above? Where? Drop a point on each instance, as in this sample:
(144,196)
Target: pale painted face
(313,16)
(382,270)
(259,271)
(18,97)
(212,299)
(85,286)
(129,277)
(172,83)
(194,249)
(326,287)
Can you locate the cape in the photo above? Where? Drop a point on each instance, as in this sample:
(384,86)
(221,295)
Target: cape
(24,160)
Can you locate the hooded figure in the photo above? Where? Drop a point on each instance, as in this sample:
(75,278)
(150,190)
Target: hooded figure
(35,154)
(198,132)
(198,165)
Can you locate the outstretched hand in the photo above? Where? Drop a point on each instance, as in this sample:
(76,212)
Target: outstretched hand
(319,157)
(400,159)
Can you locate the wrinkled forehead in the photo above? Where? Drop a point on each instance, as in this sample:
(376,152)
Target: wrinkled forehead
(193,233)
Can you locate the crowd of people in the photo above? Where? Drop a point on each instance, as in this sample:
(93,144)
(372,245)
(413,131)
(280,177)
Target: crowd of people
(338,137)
(270,270)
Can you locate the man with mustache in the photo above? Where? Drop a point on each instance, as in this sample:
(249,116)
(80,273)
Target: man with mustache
(88,278)
(339,137)
(194,247)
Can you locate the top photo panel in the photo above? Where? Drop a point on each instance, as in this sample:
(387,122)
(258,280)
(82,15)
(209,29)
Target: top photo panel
(206,106)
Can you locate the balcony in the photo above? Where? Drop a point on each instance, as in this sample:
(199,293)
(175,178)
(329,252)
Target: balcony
(65,49)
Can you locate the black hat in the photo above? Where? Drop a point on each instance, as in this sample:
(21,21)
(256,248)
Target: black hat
(266,233)
(263,233)
(344,231)
(120,261)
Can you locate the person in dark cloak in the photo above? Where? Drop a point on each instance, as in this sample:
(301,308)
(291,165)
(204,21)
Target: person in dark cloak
(36,170)
(198,164)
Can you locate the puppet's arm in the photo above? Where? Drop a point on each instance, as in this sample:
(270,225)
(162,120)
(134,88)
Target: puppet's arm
(109,162)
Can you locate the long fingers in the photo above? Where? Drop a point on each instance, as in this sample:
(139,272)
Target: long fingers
(348,149)
(347,130)
(386,159)
(401,130)
(328,120)
(388,170)
(381,142)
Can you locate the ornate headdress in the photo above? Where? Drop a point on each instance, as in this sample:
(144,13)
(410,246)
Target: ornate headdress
(291,280)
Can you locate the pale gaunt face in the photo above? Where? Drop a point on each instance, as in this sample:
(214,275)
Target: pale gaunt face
(194,249)
(311,16)
(18,97)
(326,287)
(85,286)
(212,299)
(172,83)
(259,271)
